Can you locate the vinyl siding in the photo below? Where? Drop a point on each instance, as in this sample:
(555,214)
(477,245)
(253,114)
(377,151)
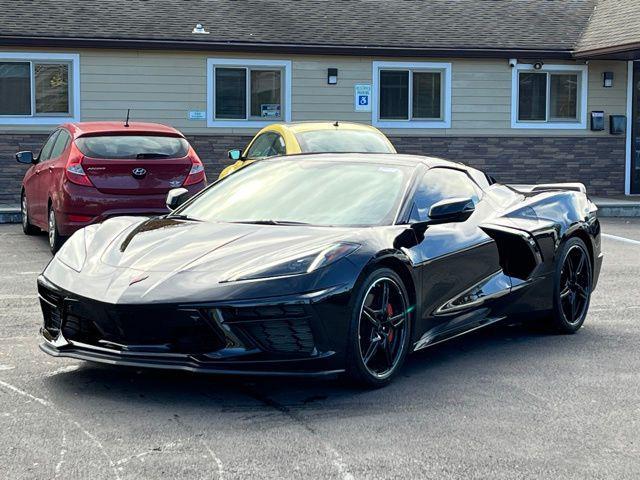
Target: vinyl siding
(164,86)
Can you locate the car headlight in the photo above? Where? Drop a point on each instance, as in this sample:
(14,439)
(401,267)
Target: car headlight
(74,252)
(298,265)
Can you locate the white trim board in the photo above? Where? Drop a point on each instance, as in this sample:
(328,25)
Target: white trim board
(445,122)
(628,152)
(583,97)
(239,62)
(74,58)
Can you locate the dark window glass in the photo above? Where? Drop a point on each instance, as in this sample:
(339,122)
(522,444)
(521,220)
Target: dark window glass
(265,93)
(61,144)
(318,141)
(45,153)
(266,145)
(564,96)
(51,87)
(426,95)
(133,146)
(15,88)
(231,93)
(532,96)
(438,184)
(394,95)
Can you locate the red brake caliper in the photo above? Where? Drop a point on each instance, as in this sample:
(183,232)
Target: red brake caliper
(390,313)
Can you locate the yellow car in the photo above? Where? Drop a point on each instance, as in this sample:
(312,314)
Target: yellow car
(316,137)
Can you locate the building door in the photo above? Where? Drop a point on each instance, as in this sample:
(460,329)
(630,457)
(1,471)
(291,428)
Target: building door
(635,132)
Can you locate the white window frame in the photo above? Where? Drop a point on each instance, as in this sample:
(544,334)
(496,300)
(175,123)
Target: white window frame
(285,65)
(444,68)
(74,80)
(580,124)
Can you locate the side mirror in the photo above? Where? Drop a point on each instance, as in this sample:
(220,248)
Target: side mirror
(451,210)
(176,197)
(25,157)
(235,154)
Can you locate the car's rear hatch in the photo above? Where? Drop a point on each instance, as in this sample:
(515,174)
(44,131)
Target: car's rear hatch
(139,164)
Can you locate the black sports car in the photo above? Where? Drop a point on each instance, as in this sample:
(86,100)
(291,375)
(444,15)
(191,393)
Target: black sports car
(322,264)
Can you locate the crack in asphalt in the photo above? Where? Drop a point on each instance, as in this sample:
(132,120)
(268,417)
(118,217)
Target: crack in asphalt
(338,462)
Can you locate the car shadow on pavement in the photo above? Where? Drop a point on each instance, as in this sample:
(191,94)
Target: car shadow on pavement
(468,365)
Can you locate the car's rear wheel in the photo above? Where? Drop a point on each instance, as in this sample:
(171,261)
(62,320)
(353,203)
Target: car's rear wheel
(55,239)
(573,285)
(27,227)
(380,329)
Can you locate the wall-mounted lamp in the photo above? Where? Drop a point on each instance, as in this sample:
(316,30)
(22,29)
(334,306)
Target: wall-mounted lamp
(332,76)
(538,65)
(607,79)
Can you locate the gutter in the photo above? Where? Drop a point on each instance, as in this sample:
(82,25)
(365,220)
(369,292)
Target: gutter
(629,51)
(283,48)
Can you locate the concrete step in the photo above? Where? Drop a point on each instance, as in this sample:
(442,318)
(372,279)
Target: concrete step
(607,207)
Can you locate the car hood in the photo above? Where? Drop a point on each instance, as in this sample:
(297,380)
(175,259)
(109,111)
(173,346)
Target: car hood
(108,261)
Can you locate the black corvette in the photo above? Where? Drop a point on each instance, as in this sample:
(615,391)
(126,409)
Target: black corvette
(322,264)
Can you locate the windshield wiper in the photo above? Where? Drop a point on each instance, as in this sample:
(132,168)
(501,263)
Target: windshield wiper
(182,217)
(271,222)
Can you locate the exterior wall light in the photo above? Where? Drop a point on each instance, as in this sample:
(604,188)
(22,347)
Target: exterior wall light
(607,78)
(332,76)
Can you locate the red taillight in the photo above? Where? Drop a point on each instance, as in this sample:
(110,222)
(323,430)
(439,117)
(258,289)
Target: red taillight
(196,174)
(74,171)
(79,218)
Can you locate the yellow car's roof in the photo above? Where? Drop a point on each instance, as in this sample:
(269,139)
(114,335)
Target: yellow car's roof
(296,127)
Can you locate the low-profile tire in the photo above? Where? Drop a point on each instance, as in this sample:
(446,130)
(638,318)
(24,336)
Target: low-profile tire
(27,227)
(380,329)
(573,282)
(55,239)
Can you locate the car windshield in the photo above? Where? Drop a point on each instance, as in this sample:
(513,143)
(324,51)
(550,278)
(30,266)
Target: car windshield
(343,140)
(316,192)
(132,146)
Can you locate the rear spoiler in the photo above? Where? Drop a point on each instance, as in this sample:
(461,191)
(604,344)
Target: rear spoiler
(546,187)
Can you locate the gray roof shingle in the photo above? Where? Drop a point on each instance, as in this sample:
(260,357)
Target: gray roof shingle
(614,23)
(554,25)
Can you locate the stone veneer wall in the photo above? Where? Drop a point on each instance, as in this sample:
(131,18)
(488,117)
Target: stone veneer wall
(599,162)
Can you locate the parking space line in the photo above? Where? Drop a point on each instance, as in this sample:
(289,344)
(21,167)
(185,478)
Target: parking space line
(621,239)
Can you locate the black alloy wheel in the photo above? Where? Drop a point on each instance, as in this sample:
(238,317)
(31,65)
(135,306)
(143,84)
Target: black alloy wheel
(381,329)
(573,287)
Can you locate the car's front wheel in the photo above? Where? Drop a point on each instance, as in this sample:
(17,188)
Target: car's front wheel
(572,287)
(27,227)
(55,239)
(380,329)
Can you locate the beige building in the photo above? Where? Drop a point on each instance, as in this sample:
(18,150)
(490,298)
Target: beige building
(534,91)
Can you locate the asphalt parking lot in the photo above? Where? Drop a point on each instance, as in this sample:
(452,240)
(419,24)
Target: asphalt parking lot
(504,403)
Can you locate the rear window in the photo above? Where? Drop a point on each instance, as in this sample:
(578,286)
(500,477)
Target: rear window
(347,141)
(133,146)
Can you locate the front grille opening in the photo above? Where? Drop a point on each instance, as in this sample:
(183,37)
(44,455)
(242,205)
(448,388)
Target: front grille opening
(283,329)
(141,329)
(51,304)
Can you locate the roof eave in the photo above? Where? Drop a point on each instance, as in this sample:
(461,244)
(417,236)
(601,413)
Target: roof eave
(360,50)
(629,51)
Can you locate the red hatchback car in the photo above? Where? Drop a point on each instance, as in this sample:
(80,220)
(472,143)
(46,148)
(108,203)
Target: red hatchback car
(87,172)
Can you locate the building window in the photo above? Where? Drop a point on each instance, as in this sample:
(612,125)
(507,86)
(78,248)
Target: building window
(411,95)
(38,88)
(553,97)
(248,93)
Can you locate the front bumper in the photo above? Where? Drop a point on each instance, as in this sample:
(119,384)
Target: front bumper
(295,335)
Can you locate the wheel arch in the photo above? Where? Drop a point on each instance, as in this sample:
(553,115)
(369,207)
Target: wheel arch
(586,238)
(395,263)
